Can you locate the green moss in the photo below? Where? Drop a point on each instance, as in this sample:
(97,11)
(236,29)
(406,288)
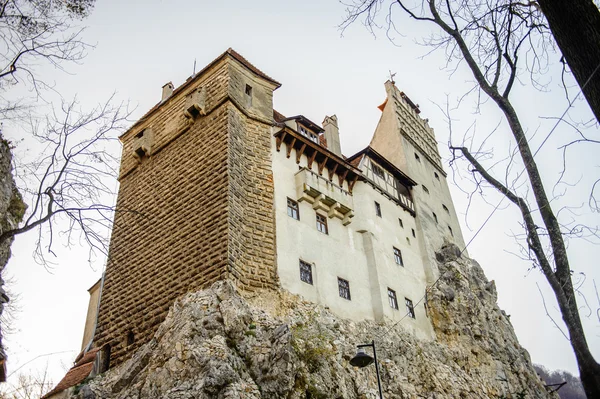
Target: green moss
(313,392)
(17,207)
(312,346)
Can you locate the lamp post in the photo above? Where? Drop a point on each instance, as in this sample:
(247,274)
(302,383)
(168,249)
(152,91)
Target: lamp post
(362,360)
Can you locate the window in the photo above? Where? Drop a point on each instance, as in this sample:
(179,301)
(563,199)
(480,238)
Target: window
(417,157)
(413,233)
(435,217)
(292,209)
(398,256)
(437,177)
(377,171)
(392,298)
(408,240)
(446,209)
(451,232)
(426,189)
(306,272)
(410,309)
(401,223)
(308,134)
(322,224)
(248,95)
(344,288)
(377,209)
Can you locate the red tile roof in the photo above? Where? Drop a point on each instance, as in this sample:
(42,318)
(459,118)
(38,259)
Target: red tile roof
(79,372)
(279,118)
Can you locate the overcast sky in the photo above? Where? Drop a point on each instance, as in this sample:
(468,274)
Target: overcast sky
(141,45)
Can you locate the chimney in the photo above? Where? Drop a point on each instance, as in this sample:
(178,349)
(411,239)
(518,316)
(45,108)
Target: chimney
(332,134)
(167,90)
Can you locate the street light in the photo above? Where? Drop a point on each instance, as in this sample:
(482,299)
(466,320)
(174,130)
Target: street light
(362,360)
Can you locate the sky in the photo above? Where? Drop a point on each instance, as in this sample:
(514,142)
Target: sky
(140,46)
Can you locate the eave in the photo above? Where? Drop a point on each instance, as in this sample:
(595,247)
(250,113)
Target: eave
(400,175)
(325,159)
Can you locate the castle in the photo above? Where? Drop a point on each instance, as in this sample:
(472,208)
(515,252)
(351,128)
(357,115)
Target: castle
(225,187)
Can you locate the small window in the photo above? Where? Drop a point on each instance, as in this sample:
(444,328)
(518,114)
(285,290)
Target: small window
(292,209)
(410,309)
(401,223)
(435,217)
(413,233)
(306,272)
(451,232)
(437,177)
(377,171)
(446,209)
(392,299)
(417,157)
(140,134)
(425,189)
(408,240)
(248,95)
(322,224)
(398,257)
(130,338)
(377,209)
(344,288)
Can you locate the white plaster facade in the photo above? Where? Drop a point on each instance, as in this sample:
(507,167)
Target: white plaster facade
(359,246)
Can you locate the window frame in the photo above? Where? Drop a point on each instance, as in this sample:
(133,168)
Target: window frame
(410,308)
(398,257)
(378,171)
(377,209)
(291,209)
(392,299)
(322,224)
(344,289)
(305,264)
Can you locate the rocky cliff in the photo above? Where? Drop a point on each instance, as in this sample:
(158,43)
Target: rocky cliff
(219,344)
(12,209)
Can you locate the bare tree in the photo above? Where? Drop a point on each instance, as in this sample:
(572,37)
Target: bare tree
(73,177)
(575,25)
(34,32)
(498,39)
(27,386)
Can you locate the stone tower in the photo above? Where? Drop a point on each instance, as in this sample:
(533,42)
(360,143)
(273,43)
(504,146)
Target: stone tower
(196,200)
(407,140)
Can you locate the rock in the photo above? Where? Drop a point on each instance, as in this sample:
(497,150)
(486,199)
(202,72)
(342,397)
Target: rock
(220,344)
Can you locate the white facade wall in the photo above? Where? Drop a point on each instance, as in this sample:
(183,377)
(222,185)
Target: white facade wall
(361,252)
(400,135)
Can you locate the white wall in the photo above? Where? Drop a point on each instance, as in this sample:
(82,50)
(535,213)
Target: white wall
(346,252)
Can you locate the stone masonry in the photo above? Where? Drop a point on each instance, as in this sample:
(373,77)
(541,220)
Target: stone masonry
(196,207)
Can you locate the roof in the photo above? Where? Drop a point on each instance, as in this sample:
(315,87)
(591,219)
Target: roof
(278,117)
(304,120)
(229,52)
(79,372)
(369,151)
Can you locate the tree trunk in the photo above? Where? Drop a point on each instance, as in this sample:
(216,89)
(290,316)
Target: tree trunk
(575,25)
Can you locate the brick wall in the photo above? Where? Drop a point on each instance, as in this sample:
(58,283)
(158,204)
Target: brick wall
(202,202)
